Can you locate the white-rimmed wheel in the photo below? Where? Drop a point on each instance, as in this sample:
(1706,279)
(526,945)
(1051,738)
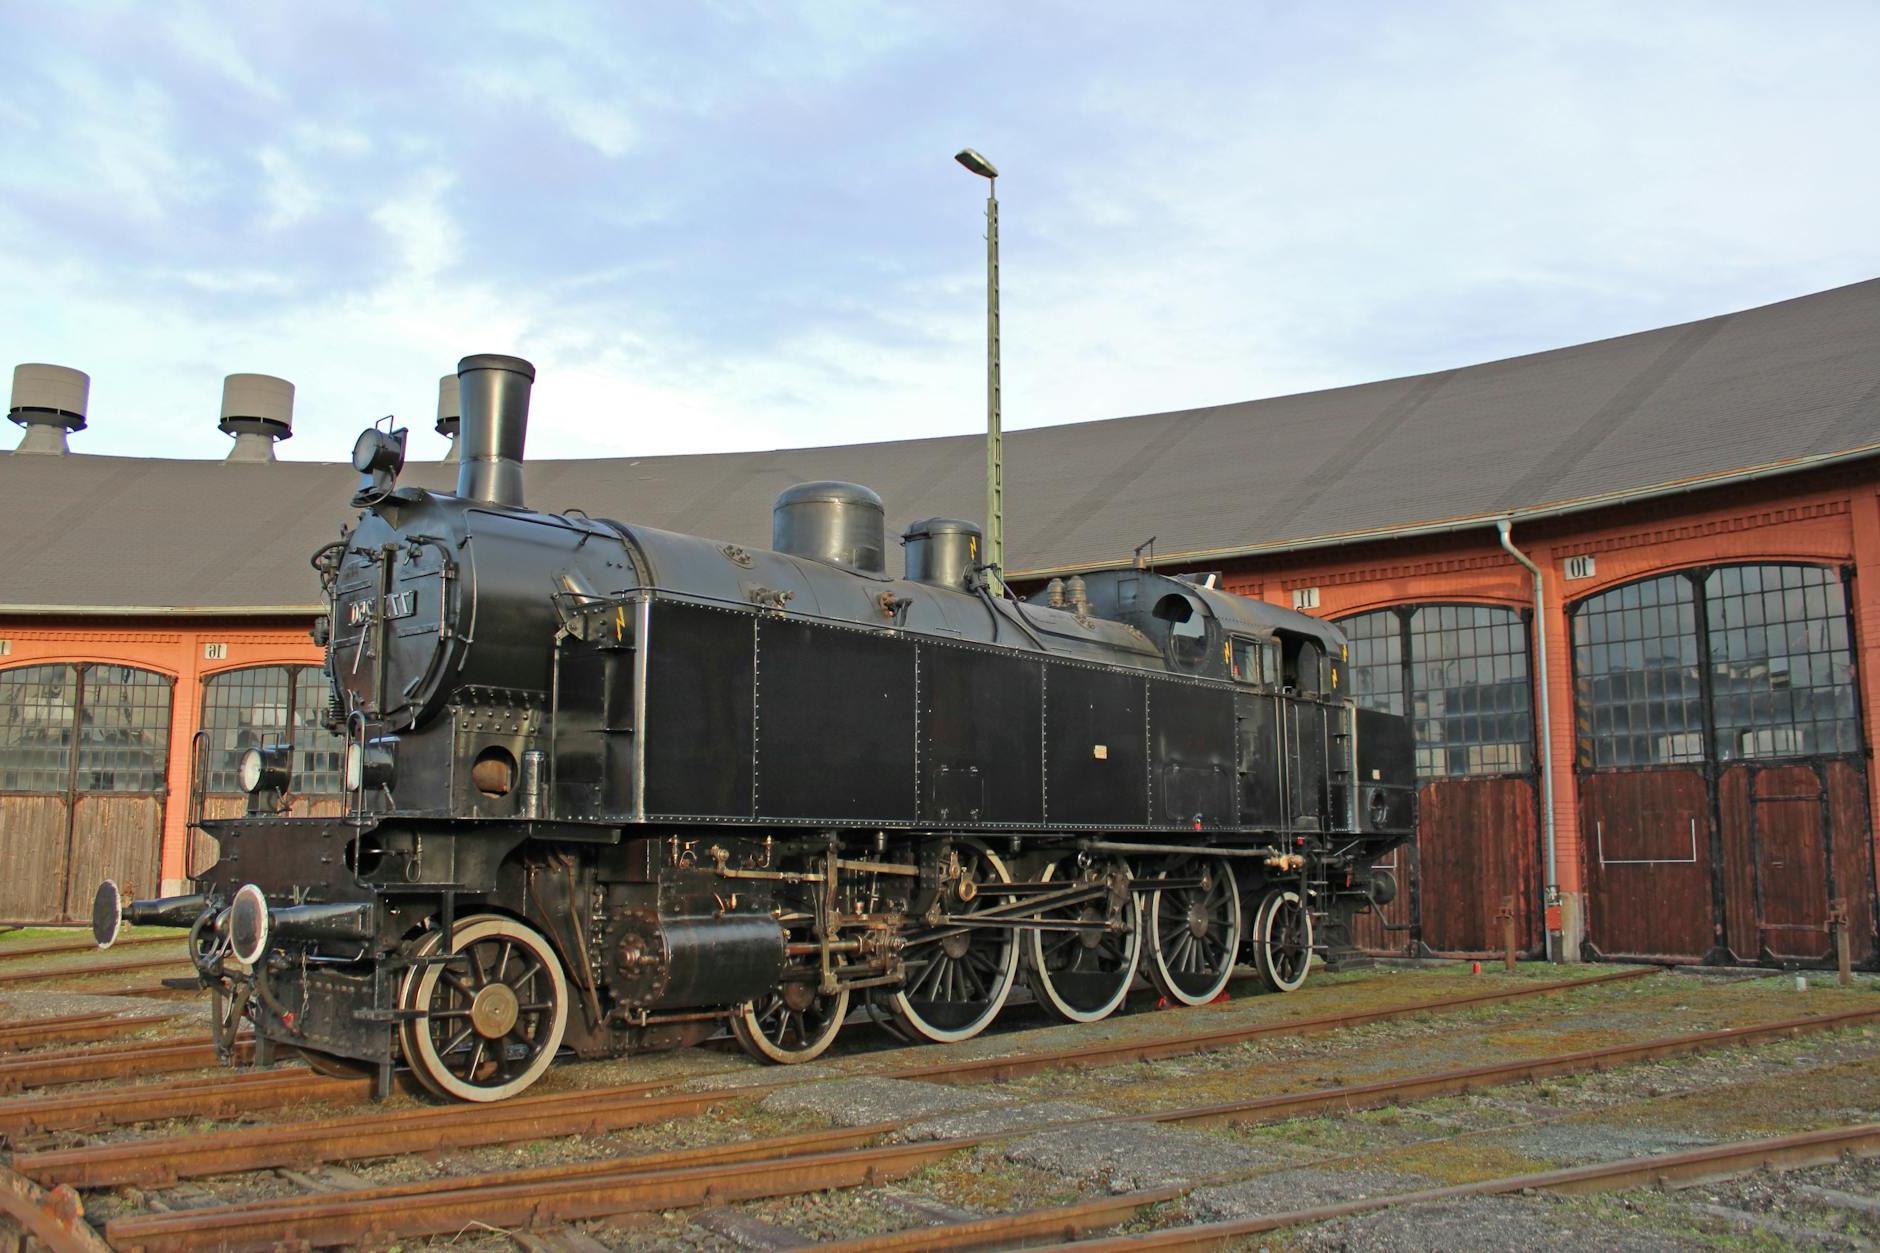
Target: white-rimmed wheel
(488,1025)
(1084,974)
(959,979)
(1194,930)
(1282,940)
(793,1024)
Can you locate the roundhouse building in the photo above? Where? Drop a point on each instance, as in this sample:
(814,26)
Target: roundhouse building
(1629,593)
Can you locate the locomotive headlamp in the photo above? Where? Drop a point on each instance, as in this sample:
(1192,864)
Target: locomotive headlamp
(263,769)
(371,765)
(379,450)
(378,455)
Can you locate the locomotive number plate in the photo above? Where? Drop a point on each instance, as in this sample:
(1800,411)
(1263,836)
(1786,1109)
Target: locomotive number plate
(397,605)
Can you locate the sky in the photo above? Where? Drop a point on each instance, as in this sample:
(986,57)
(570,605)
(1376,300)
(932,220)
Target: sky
(718,226)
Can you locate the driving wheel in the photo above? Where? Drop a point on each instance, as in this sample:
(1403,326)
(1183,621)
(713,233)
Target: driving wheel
(1194,930)
(959,978)
(1083,974)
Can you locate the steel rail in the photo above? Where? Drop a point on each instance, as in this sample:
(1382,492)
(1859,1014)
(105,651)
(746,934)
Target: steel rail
(189,987)
(94,970)
(346,1220)
(1003,1230)
(54,1218)
(1789,1152)
(754,1169)
(987,1069)
(17,1037)
(82,1065)
(423,1193)
(1467,1079)
(216,1097)
(8,952)
(162,1161)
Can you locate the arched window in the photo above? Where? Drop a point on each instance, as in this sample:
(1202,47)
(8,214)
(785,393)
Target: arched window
(1781,669)
(124,742)
(270,704)
(1772,641)
(121,714)
(1377,677)
(1470,693)
(1461,672)
(38,706)
(1637,688)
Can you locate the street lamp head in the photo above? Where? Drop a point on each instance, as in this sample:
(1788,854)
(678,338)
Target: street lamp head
(976,163)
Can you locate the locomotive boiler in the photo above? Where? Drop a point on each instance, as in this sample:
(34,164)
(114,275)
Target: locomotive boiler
(613,788)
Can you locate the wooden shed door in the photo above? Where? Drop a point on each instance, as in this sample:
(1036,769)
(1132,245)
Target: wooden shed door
(1648,862)
(1475,848)
(1793,844)
(83,756)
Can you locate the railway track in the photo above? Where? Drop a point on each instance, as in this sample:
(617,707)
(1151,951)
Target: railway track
(1724,1161)
(47,948)
(92,970)
(1116,1053)
(51,1067)
(21,1115)
(218,1096)
(544,1115)
(69,1029)
(771,1167)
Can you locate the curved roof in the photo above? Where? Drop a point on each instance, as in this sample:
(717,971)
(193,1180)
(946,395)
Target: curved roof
(1768,390)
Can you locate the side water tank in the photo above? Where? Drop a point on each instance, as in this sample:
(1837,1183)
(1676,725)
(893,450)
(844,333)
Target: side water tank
(842,524)
(943,551)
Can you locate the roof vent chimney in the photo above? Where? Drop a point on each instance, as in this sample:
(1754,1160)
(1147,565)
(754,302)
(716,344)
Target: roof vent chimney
(449,415)
(494,392)
(48,400)
(257,409)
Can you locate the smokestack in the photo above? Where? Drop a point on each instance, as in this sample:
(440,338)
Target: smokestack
(494,391)
(449,414)
(48,400)
(258,410)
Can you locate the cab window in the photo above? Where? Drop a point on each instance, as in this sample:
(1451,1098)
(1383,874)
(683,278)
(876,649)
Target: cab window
(1247,661)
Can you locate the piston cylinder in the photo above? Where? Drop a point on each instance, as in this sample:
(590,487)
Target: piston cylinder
(666,963)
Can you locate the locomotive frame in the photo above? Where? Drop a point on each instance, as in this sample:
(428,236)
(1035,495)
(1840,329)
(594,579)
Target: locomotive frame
(767,789)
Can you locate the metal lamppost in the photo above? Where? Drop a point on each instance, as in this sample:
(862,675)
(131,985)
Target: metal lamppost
(995,435)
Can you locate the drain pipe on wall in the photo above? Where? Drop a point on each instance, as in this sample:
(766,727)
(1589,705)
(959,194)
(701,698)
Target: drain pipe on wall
(1506,526)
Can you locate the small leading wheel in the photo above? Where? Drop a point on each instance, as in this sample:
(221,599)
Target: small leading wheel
(1282,940)
(796,1023)
(1194,931)
(491,1023)
(957,983)
(1083,975)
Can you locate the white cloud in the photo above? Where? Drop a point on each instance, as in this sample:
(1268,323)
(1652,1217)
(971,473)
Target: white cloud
(722,228)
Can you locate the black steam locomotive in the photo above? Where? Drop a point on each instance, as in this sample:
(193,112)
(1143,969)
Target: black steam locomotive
(615,788)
